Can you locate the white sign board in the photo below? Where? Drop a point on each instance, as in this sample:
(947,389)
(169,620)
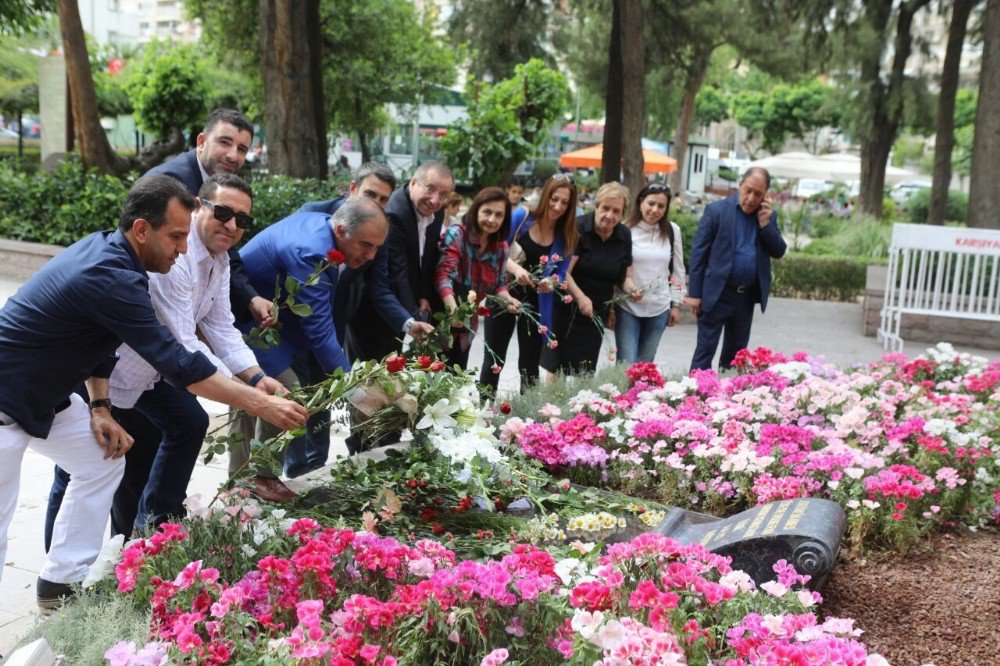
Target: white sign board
(984,242)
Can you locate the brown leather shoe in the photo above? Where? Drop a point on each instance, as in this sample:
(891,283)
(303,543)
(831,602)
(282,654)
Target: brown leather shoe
(271,490)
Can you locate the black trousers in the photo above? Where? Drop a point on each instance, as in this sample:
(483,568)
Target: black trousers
(730,318)
(499,328)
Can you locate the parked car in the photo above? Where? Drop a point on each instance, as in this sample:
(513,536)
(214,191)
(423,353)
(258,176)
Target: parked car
(902,192)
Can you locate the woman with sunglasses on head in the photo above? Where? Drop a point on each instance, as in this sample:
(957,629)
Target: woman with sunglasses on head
(547,235)
(602,262)
(474,258)
(658,269)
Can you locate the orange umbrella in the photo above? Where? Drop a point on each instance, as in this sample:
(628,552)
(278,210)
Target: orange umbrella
(653,162)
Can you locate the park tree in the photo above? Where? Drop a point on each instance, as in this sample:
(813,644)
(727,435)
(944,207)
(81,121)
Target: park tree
(95,150)
(18,83)
(506,122)
(786,110)
(291,68)
(168,88)
(984,196)
(18,17)
(363,75)
(498,35)
(710,106)
(944,140)
(634,92)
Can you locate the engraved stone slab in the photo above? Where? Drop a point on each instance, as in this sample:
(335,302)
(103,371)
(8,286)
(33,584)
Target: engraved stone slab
(806,532)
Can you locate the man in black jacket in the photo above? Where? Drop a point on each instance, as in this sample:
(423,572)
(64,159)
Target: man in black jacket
(415,214)
(222,147)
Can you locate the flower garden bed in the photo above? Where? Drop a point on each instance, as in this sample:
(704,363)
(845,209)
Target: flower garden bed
(464,549)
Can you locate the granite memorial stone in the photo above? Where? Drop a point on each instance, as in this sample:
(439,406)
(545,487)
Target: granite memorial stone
(806,532)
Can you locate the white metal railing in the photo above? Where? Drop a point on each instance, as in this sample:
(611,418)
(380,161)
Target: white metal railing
(939,271)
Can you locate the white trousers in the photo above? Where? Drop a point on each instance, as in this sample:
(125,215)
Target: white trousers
(79,530)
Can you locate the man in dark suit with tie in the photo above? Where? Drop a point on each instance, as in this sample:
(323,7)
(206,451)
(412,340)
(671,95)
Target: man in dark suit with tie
(730,268)
(376,182)
(293,247)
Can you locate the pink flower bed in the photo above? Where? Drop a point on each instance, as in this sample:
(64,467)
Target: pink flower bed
(903,445)
(341,597)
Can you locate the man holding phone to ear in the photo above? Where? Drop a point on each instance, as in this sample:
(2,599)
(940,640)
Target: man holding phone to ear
(730,268)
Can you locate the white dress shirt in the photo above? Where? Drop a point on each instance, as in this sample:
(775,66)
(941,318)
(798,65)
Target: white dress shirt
(193,295)
(422,224)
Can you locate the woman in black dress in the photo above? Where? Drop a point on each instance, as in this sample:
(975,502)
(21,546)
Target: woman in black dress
(603,261)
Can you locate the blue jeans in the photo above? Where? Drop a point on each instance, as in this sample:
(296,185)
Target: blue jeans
(638,337)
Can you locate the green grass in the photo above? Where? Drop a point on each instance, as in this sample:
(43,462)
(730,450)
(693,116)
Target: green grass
(86,628)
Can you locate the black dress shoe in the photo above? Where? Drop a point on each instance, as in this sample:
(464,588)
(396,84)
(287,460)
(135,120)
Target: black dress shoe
(52,596)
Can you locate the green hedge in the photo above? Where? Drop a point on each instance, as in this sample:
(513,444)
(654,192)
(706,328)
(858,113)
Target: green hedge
(820,278)
(65,205)
(956,209)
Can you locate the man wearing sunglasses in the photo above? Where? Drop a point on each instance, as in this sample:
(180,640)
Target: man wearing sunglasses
(192,298)
(63,327)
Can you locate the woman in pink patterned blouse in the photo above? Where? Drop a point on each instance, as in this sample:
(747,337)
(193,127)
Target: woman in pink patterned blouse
(473,256)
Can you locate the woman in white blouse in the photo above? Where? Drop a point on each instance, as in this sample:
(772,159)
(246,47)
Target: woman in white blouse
(658,270)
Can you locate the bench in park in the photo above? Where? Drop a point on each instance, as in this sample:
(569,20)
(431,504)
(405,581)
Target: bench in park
(940,272)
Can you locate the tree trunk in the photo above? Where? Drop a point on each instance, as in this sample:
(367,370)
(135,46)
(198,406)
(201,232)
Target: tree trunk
(945,139)
(20,134)
(695,77)
(984,195)
(885,101)
(634,97)
(366,153)
(611,160)
(95,150)
(294,145)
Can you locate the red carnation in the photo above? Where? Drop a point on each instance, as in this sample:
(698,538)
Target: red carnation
(483,311)
(395,363)
(335,257)
(505,408)
(424,360)
(437,366)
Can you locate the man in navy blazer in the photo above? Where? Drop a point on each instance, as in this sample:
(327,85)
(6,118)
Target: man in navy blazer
(221,147)
(376,182)
(730,268)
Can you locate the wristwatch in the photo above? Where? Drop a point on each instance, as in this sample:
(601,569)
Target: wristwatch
(101,402)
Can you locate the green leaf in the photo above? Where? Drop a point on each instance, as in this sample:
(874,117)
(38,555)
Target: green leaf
(300,309)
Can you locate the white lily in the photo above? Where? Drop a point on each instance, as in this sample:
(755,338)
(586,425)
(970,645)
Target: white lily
(438,416)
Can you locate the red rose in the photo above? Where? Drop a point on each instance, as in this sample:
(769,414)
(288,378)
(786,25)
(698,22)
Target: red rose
(505,408)
(437,366)
(438,528)
(395,363)
(335,257)
(483,311)
(424,360)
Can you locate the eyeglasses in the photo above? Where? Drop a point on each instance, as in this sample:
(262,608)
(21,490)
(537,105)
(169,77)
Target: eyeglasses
(225,213)
(562,175)
(657,187)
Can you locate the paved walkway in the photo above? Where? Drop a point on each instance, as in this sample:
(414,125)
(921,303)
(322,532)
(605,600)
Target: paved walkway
(816,327)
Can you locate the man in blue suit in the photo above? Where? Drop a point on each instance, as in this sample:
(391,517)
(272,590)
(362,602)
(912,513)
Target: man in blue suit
(293,247)
(730,268)
(376,182)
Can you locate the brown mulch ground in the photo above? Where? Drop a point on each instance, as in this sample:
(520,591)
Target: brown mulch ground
(941,607)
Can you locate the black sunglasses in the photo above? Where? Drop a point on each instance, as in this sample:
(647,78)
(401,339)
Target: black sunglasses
(225,213)
(562,175)
(657,187)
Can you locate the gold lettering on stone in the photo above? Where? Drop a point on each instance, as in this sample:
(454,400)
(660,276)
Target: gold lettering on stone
(757,521)
(793,520)
(772,525)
